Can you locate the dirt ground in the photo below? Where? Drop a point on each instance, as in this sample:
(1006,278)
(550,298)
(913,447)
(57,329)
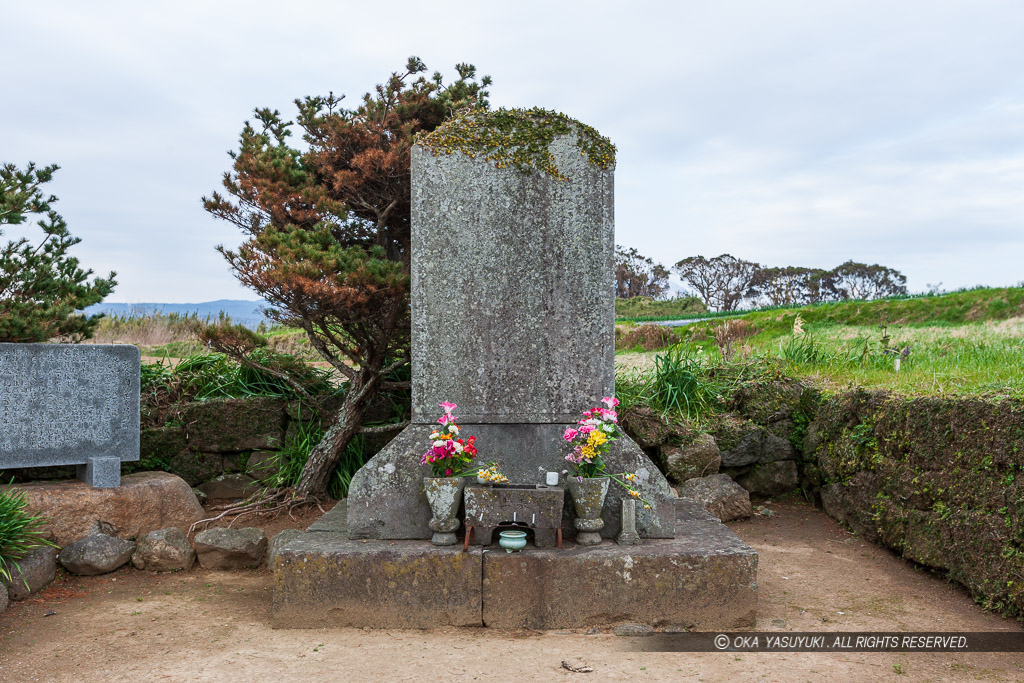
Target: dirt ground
(213,626)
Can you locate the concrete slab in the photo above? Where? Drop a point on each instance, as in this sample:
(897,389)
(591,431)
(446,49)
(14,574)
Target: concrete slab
(705,578)
(324,579)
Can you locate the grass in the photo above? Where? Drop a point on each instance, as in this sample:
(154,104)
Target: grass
(20,532)
(643,308)
(968,342)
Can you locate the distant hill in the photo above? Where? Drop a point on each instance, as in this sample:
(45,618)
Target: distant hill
(243,312)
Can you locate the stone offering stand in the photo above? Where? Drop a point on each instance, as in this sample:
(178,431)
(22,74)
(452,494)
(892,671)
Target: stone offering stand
(513,320)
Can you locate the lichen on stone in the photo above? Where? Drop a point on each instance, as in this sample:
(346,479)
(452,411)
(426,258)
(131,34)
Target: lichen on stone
(517,138)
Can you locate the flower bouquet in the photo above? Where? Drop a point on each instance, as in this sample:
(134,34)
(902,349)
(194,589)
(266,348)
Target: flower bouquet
(591,440)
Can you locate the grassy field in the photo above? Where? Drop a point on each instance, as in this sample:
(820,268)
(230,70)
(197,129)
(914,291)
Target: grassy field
(964,342)
(643,309)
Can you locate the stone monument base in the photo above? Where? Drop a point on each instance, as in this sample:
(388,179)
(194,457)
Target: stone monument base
(705,579)
(386,499)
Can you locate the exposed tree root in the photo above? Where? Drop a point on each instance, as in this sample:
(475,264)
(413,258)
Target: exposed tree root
(272,502)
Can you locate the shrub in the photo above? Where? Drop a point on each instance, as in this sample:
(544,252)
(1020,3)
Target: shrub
(648,337)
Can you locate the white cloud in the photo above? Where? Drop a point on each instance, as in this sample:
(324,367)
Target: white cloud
(786,132)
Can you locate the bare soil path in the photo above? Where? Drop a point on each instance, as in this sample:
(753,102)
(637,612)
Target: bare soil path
(213,626)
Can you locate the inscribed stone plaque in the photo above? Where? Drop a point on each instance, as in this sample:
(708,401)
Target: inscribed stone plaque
(62,404)
(513,302)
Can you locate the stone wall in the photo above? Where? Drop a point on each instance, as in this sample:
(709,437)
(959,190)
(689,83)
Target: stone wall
(938,480)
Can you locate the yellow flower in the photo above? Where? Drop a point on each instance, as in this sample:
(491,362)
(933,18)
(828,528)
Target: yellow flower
(597,438)
(587,451)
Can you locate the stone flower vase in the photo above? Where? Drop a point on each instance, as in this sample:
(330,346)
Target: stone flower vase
(588,499)
(444,495)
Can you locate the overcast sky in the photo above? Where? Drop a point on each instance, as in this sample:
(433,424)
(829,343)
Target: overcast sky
(788,133)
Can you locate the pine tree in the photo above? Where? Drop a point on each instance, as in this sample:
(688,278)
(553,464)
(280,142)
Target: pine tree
(327,234)
(42,288)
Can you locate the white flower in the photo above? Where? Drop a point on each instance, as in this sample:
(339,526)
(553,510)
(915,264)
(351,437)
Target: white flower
(439,443)
(458,447)
(454,429)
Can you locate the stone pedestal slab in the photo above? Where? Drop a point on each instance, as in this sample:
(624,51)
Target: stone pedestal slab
(322,579)
(705,578)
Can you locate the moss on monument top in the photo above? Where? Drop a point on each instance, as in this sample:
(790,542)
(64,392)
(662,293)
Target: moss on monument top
(519,138)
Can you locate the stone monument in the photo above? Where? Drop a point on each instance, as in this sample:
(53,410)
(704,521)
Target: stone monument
(512,312)
(70,404)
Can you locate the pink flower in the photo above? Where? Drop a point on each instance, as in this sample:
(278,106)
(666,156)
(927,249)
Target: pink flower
(570,434)
(444,419)
(448,407)
(610,401)
(586,429)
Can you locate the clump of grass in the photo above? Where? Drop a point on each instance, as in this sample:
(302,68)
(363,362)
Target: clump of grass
(646,337)
(645,308)
(20,532)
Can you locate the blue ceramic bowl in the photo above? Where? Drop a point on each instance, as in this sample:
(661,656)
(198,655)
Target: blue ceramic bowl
(512,540)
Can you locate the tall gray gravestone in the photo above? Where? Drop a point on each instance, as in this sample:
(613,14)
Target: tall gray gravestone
(70,404)
(513,308)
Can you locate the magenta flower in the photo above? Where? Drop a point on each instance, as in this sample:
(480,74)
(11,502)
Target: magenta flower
(610,401)
(570,434)
(448,407)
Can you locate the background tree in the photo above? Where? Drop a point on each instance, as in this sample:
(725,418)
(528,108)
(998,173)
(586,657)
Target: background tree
(853,280)
(41,286)
(791,285)
(637,275)
(327,235)
(721,282)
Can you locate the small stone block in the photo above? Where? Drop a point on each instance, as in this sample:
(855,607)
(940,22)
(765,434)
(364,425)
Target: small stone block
(627,534)
(102,472)
(327,580)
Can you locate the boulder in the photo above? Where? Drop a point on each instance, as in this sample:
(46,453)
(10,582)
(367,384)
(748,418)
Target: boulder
(697,459)
(233,425)
(4,599)
(719,495)
(263,465)
(645,426)
(230,486)
(744,443)
(96,554)
(771,479)
(35,571)
(144,501)
(231,548)
(164,550)
(277,542)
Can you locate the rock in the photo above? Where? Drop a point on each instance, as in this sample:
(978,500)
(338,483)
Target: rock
(277,542)
(164,550)
(697,459)
(743,443)
(96,554)
(645,426)
(35,571)
(4,598)
(201,496)
(233,425)
(230,486)
(263,465)
(633,630)
(771,479)
(144,501)
(231,548)
(720,495)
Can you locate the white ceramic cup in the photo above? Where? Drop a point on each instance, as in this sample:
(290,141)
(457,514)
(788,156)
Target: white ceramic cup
(552,479)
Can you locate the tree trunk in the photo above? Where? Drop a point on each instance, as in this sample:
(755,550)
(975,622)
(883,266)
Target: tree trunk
(316,474)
